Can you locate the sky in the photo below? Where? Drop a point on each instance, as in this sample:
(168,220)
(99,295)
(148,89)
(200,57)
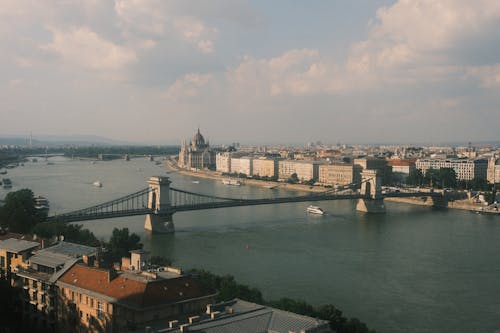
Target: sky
(153,71)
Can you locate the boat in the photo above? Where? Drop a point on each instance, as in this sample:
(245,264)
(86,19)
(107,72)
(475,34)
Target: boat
(97,183)
(229,181)
(6,183)
(270,186)
(315,210)
(195,182)
(41,203)
(3,172)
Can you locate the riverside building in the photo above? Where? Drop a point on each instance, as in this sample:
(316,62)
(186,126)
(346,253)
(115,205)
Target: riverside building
(197,154)
(465,169)
(305,170)
(339,174)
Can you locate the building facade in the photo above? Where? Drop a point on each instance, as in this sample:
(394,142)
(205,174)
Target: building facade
(242,165)
(223,162)
(196,154)
(305,170)
(493,175)
(465,169)
(263,167)
(339,174)
(401,169)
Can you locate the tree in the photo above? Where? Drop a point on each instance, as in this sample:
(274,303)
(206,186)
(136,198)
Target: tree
(19,212)
(416,178)
(294,179)
(71,232)
(432,177)
(447,178)
(121,242)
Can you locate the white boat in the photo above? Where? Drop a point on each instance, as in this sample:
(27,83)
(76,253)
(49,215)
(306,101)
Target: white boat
(229,181)
(315,210)
(41,203)
(195,182)
(97,184)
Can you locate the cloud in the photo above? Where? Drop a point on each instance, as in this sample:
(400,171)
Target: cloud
(188,87)
(83,47)
(196,32)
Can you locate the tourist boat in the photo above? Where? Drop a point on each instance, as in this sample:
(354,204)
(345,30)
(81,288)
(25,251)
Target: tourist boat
(6,183)
(315,210)
(97,183)
(229,181)
(195,182)
(41,203)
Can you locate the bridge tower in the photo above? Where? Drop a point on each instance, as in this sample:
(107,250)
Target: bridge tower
(372,190)
(159,202)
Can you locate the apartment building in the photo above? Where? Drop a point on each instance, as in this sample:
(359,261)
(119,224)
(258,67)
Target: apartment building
(465,169)
(242,165)
(223,162)
(265,167)
(339,174)
(127,299)
(305,170)
(401,168)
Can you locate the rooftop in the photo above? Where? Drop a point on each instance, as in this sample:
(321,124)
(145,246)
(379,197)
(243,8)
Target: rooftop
(15,245)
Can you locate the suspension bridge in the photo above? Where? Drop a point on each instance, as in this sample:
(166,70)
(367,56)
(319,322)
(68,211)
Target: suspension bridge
(159,201)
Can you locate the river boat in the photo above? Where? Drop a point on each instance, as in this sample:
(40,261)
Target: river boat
(97,183)
(229,181)
(195,182)
(6,183)
(315,210)
(41,203)
(270,186)
(3,172)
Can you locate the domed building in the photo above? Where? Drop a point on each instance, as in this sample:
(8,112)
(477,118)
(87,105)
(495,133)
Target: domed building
(196,154)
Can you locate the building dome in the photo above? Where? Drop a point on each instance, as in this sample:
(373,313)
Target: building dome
(198,139)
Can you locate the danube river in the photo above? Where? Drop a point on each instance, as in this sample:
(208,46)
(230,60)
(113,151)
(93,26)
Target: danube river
(414,269)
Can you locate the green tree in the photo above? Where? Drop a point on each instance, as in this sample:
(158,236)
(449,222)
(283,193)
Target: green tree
(447,178)
(416,178)
(19,212)
(121,242)
(294,179)
(333,315)
(432,177)
(71,232)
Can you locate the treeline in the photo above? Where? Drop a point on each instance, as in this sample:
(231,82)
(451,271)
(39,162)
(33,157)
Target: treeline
(94,151)
(229,289)
(445,178)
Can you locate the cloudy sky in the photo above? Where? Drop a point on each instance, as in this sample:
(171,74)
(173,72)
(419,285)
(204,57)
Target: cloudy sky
(252,71)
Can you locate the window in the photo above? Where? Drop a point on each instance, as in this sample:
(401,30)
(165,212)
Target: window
(100,310)
(80,298)
(91,302)
(2,261)
(35,284)
(73,296)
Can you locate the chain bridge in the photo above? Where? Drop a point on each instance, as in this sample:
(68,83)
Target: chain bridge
(159,202)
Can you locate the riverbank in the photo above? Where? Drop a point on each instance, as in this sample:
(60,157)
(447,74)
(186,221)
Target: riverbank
(170,164)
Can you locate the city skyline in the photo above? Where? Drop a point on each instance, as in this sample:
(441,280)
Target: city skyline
(148,71)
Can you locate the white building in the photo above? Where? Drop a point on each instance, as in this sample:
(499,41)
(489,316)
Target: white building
(305,170)
(223,162)
(242,165)
(465,169)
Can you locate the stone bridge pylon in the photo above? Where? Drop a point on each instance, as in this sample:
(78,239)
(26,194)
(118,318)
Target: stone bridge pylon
(371,189)
(159,202)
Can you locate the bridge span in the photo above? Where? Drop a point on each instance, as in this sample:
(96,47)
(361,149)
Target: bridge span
(159,202)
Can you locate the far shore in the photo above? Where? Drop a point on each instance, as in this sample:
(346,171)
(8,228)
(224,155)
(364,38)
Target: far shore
(170,164)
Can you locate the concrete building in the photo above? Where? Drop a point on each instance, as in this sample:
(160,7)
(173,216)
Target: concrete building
(14,254)
(493,173)
(98,300)
(241,316)
(339,174)
(38,278)
(197,154)
(263,167)
(305,170)
(379,164)
(223,162)
(401,169)
(465,169)
(242,165)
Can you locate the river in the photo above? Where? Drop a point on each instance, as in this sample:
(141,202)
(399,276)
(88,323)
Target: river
(414,269)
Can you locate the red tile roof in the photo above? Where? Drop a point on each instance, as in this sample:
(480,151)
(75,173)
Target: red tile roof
(133,291)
